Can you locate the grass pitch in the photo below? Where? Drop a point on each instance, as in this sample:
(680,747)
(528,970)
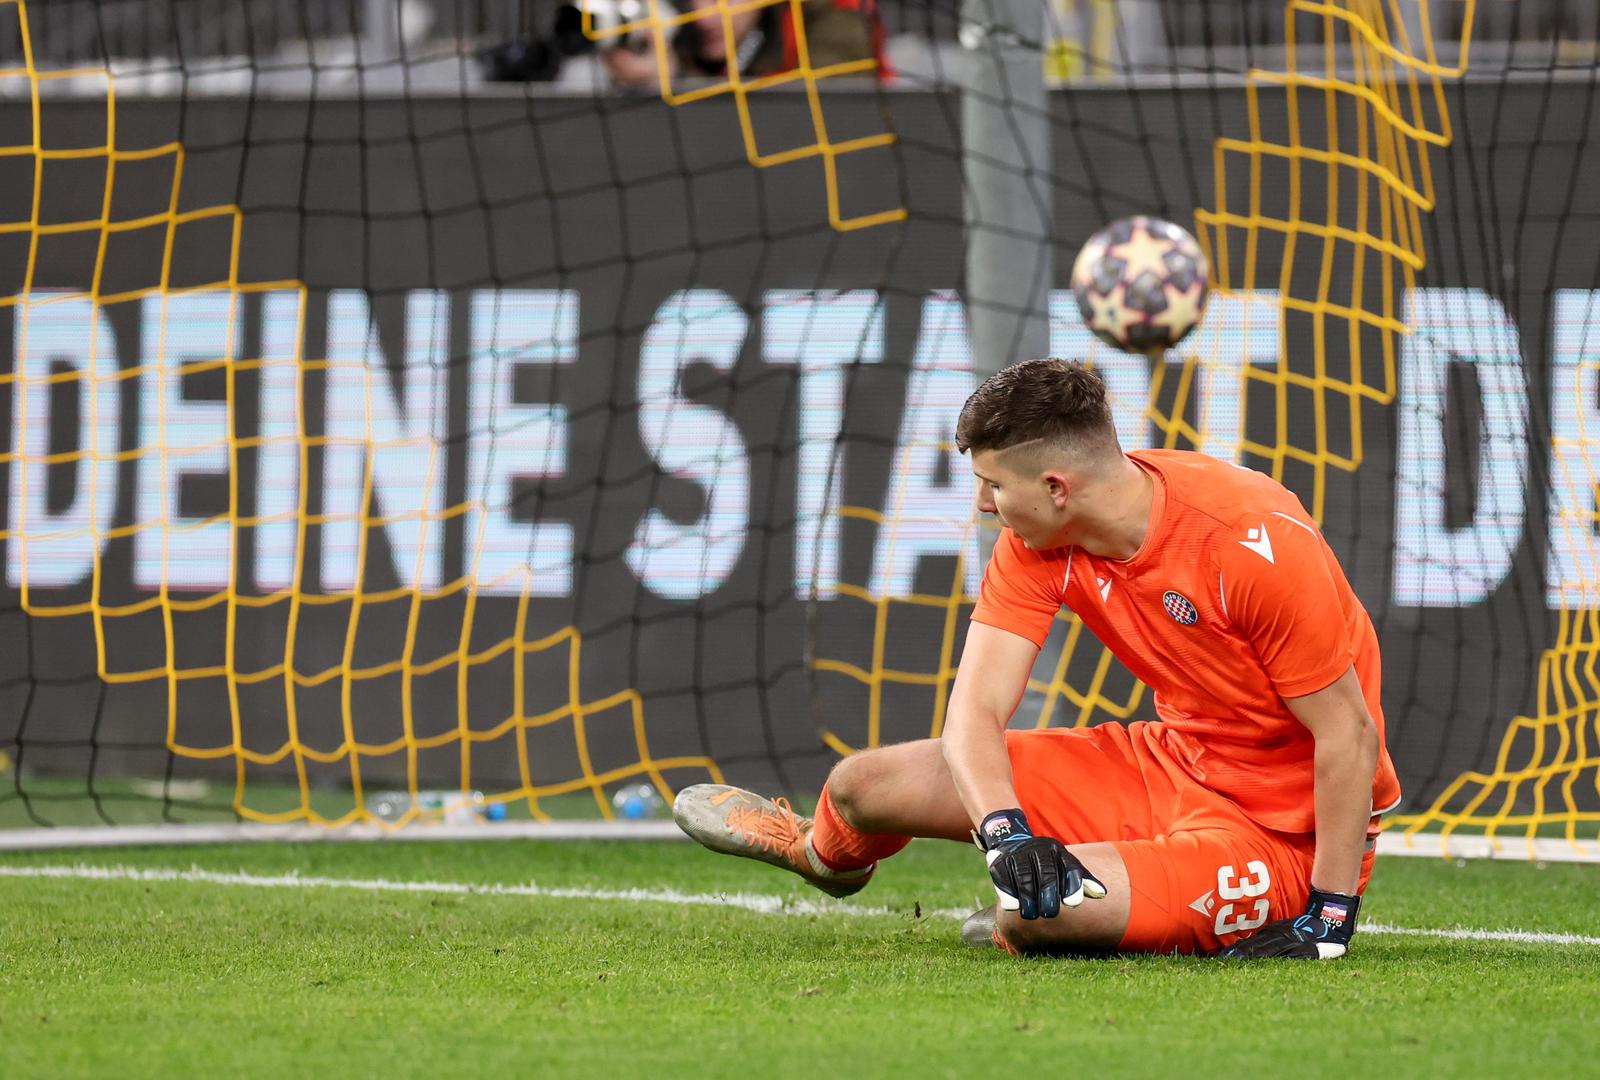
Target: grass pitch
(132,977)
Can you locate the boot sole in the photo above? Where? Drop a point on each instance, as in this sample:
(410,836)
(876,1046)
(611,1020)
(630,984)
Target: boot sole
(978,930)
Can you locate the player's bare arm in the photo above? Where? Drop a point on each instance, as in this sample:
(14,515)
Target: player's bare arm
(1346,760)
(989,685)
(1034,875)
(1347,744)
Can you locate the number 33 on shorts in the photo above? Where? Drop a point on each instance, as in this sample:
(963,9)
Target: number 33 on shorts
(1239,902)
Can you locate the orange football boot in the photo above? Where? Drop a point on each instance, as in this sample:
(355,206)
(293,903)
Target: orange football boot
(739,822)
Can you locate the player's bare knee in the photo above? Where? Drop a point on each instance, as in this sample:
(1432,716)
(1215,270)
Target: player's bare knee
(847,783)
(858,784)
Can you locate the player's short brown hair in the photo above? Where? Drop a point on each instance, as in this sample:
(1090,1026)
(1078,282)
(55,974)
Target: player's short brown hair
(1059,401)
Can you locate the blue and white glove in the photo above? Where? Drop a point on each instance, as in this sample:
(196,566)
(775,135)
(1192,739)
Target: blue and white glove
(1322,933)
(1035,875)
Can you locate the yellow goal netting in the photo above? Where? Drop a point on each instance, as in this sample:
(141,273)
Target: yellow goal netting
(148,641)
(1319,209)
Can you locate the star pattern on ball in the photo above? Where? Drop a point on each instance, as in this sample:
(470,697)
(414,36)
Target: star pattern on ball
(1142,251)
(1111,315)
(1182,311)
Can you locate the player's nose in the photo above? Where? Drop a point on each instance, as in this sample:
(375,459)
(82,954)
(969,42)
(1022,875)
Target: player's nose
(984,501)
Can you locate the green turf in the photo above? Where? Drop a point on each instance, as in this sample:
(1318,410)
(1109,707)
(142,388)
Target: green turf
(197,979)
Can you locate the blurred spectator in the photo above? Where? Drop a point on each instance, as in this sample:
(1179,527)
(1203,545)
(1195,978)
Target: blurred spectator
(765,42)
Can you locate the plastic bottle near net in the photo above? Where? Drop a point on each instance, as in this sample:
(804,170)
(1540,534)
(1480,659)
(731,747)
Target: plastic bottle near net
(435,806)
(637,801)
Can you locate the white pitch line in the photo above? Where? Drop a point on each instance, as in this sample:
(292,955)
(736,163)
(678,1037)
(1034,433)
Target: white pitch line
(1527,937)
(755,902)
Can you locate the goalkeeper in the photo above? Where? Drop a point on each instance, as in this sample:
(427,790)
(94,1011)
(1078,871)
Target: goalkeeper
(1242,821)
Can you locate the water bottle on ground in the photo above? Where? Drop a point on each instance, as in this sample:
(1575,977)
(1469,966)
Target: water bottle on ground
(439,805)
(638,801)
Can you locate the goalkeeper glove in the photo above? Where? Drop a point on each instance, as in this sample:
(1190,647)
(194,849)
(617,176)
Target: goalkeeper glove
(1322,933)
(1035,875)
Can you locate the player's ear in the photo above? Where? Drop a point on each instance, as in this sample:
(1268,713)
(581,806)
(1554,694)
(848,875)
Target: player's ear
(1057,487)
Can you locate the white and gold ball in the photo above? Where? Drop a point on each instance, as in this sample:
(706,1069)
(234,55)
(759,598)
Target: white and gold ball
(1141,284)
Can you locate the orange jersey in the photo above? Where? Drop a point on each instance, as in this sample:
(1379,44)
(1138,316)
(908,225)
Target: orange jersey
(1233,602)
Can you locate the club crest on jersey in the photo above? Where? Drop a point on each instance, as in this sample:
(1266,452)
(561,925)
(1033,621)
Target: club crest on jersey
(1180,607)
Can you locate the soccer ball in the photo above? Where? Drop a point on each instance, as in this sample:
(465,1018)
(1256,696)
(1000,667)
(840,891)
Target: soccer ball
(1141,284)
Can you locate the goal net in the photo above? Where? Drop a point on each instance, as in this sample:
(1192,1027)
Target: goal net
(394,404)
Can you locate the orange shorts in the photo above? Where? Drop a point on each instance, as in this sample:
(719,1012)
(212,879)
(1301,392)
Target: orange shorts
(1202,872)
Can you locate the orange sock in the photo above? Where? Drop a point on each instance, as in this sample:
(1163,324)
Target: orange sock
(841,846)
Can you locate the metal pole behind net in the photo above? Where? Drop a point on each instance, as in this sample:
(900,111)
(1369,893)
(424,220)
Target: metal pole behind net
(1005,124)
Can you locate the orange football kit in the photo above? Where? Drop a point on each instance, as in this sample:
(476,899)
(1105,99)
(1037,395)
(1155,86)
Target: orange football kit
(1233,603)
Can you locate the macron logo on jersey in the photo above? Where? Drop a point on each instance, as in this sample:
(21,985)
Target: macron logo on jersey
(1104,585)
(1259,542)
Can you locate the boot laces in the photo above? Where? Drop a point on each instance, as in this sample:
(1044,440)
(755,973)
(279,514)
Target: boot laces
(771,829)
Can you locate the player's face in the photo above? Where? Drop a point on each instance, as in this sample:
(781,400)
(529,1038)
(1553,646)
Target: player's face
(1032,506)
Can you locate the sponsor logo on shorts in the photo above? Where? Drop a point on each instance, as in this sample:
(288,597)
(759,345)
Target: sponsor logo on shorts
(1180,607)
